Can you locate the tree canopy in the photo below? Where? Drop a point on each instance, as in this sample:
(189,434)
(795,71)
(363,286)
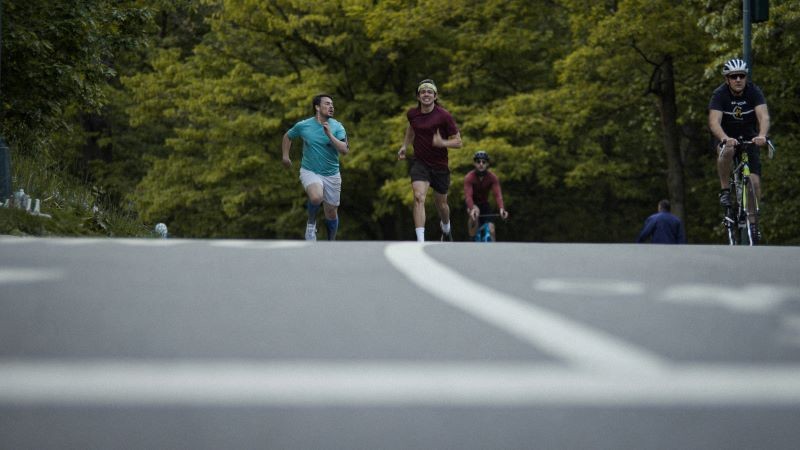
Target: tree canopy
(591,111)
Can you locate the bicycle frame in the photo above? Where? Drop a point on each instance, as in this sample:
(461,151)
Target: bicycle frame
(747,211)
(741,218)
(483,234)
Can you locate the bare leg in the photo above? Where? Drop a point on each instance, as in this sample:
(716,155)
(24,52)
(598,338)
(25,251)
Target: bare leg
(440,200)
(331,211)
(314,192)
(472,227)
(724,166)
(420,192)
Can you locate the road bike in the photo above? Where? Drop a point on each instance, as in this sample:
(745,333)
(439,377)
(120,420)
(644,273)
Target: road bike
(484,234)
(741,217)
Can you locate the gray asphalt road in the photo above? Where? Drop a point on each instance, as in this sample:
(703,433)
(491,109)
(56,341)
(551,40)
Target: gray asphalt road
(288,345)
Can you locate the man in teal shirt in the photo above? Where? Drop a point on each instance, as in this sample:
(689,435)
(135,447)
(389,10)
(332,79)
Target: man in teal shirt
(324,139)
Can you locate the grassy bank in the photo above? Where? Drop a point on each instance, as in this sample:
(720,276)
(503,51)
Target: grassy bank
(75,207)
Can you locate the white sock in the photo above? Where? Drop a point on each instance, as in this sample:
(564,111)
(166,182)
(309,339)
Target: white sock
(445,227)
(420,234)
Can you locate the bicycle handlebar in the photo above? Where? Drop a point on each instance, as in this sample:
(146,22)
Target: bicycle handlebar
(491,215)
(741,141)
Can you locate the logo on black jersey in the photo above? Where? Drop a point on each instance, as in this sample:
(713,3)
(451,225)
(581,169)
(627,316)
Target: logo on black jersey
(737,112)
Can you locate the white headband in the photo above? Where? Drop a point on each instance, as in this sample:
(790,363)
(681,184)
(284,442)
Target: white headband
(430,86)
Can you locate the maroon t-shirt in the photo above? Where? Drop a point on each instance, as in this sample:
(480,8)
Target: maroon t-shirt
(425,126)
(476,189)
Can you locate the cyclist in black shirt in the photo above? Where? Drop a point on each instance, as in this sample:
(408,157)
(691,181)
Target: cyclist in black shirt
(737,109)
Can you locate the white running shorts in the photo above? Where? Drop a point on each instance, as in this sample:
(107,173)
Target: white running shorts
(331,185)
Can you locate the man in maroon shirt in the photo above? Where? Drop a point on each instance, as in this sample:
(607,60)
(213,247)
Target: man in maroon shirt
(427,124)
(477,185)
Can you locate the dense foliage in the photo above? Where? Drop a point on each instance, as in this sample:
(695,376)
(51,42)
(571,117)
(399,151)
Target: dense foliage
(591,110)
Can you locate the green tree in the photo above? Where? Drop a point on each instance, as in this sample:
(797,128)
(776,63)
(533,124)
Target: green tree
(592,111)
(57,58)
(119,153)
(623,52)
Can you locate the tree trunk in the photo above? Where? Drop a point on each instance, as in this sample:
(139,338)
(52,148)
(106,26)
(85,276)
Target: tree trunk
(669,123)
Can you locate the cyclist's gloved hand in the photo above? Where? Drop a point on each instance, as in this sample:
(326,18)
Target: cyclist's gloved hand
(759,141)
(503,214)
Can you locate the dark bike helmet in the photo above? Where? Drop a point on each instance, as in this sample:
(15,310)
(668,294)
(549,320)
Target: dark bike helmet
(734,66)
(480,155)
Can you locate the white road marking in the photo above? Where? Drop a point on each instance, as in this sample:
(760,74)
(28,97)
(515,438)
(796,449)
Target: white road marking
(145,242)
(74,242)
(258,245)
(753,298)
(577,343)
(789,330)
(593,287)
(28,240)
(10,275)
(6,239)
(310,383)
(152,242)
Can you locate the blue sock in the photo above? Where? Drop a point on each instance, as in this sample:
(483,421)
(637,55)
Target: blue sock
(312,212)
(332,225)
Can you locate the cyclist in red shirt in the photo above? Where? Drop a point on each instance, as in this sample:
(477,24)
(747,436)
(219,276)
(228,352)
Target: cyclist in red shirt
(477,184)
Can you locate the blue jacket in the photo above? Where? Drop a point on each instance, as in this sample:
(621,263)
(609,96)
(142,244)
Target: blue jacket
(663,228)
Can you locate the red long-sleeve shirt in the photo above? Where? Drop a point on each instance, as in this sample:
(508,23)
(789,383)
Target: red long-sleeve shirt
(476,189)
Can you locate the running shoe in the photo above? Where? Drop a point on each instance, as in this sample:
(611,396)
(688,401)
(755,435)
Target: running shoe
(311,232)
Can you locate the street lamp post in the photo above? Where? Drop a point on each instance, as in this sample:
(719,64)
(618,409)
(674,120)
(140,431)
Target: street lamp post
(5,153)
(747,38)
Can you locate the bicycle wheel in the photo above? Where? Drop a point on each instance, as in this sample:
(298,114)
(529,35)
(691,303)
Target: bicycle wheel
(731,224)
(732,215)
(751,204)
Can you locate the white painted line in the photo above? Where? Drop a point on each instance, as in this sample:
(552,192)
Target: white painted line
(789,330)
(259,245)
(56,241)
(577,343)
(63,241)
(153,242)
(7,239)
(145,242)
(589,287)
(752,298)
(10,275)
(309,383)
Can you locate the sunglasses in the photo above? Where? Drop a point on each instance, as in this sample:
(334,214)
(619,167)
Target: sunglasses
(738,76)
(481,161)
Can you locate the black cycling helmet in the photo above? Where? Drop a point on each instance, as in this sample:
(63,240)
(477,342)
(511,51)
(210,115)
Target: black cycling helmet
(480,155)
(734,66)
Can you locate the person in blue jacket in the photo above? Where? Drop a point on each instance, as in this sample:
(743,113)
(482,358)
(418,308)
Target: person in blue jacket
(662,227)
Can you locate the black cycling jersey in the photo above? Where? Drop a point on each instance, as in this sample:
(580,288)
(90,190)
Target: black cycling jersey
(738,112)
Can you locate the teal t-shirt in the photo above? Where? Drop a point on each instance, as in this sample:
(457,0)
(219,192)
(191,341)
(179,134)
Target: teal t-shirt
(319,154)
